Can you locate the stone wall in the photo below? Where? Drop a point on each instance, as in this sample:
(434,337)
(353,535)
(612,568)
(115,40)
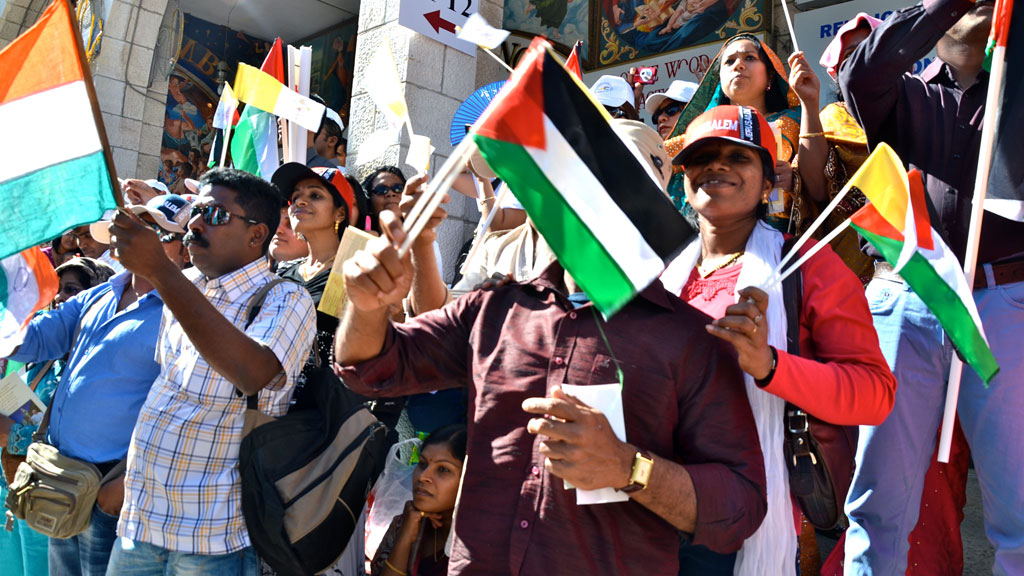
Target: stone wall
(435,79)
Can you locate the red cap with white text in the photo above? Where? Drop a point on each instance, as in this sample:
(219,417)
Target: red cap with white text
(738,124)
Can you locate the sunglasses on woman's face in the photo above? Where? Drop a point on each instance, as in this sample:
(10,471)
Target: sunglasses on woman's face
(216,215)
(670,110)
(616,112)
(383,189)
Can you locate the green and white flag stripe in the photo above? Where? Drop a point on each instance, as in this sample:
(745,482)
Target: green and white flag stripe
(935,277)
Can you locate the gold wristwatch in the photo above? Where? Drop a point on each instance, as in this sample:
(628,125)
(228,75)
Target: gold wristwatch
(643,465)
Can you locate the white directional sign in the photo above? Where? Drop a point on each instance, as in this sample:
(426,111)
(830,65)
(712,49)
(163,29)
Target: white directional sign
(438,19)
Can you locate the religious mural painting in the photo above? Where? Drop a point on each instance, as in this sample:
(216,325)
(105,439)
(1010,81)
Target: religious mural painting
(192,95)
(563,22)
(334,56)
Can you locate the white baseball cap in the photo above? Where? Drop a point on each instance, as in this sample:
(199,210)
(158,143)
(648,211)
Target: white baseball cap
(680,91)
(612,91)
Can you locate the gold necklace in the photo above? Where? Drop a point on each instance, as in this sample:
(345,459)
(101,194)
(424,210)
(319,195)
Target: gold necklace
(727,262)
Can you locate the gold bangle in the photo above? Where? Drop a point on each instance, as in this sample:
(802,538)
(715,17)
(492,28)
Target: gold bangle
(812,135)
(487,199)
(392,566)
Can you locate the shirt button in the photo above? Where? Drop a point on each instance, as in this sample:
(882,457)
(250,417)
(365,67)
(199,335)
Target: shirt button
(524,524)
(558,360)
(572,315)
(535,471)
(956,156)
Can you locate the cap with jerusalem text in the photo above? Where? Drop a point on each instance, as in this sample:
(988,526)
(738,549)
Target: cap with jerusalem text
(170,212)
(739,124)
(290,174)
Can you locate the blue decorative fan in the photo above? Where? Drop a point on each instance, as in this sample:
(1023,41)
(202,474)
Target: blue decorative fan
(471,110)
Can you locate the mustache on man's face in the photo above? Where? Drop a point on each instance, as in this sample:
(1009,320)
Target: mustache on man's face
(195,238)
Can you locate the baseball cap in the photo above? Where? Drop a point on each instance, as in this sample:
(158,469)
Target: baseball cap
(738,124)
(679,90)
(830,57)
(158,185)
(169,211)
(650,144)
(290,174)
(612,91)
(192,185)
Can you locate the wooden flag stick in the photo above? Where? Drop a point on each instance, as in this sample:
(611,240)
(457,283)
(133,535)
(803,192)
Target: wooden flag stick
(811,230)
(483,229)
(789,22)
(988,138)
(424,208)
(497,58)
(775,279)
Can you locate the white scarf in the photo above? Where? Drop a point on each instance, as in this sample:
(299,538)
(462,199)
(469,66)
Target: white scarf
(772,548)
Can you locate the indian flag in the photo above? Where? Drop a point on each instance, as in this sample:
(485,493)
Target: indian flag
(27,284)
(254,145)
(931,270)
(587,191)
(53,173)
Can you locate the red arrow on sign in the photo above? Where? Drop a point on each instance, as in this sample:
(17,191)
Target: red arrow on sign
(438,22)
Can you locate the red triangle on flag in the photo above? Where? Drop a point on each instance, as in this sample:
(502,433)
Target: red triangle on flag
(273,64)
(517,114)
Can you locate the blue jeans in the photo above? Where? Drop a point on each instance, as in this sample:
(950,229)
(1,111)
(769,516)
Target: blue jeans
(131,558)
(885,497)
(88,553)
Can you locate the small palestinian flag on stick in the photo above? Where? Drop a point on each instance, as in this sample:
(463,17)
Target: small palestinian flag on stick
(588,192)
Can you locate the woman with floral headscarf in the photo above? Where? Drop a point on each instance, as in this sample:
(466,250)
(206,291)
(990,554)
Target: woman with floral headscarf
(747,72)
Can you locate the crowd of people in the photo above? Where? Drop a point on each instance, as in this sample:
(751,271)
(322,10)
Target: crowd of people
(147,355)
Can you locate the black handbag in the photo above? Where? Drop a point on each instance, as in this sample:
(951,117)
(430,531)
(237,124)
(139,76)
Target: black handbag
(819,455)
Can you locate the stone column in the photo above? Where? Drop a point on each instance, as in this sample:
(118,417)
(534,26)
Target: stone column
(436,79)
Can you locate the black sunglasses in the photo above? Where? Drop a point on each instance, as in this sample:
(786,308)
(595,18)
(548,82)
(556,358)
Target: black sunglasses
(216,215)
(382,189)
(671,110)
(616,112)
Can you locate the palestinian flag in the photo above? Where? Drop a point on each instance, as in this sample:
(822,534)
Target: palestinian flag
(254,144)
(27,284)
(572,64)
(53,173)
(588,192)
(932,270)
(1005,192)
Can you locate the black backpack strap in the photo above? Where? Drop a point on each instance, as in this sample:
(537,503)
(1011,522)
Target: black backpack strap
(252,402)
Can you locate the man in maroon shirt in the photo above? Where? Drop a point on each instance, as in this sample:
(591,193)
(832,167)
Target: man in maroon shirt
(691,464)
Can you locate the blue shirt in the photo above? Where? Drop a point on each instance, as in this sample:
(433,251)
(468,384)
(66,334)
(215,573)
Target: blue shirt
(108,374)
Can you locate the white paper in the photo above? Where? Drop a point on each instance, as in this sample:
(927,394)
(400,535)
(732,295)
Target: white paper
(384,87)
(18,401)
(479,32)
(608,399)
(419,154)
(376,144)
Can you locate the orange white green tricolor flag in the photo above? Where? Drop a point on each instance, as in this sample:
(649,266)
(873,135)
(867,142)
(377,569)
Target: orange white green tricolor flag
(53,171)
(932,270)
(27,284)
(589,192)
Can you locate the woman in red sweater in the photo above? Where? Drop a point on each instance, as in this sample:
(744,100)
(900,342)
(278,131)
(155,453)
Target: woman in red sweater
(841,376)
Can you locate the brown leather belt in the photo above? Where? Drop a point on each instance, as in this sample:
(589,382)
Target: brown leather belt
(1002,273)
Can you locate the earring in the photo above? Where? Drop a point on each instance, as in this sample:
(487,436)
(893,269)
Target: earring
(336,226)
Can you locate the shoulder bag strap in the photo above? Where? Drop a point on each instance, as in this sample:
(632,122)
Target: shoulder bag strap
(795,424)
(40,434)
(252,401)
(39,376)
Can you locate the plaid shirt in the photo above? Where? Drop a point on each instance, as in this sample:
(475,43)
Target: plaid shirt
(182,489)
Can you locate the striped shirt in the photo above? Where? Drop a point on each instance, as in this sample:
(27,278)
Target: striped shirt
(182,488)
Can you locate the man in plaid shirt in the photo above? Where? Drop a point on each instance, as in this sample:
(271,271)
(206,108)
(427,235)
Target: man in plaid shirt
(182,512)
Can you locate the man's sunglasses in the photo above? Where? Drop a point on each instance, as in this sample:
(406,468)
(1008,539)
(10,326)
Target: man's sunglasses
(216,215)
(382,189)
(616,112)
(670,110)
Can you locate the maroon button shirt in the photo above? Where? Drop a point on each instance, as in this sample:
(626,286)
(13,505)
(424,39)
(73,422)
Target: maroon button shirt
(683,399)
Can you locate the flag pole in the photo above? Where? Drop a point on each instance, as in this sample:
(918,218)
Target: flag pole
(483,229)
(789,22)
(497,59)
(810,230)
(988,139)
(424,208)
(776,278)
(97,114)
(224,147)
